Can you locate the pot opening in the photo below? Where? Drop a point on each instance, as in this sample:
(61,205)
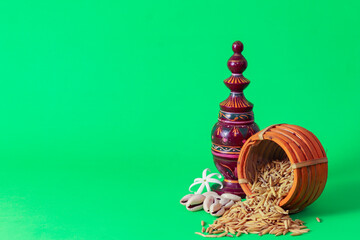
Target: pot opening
(264,152)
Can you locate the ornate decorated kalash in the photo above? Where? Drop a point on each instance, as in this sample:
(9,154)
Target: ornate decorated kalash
(235,124)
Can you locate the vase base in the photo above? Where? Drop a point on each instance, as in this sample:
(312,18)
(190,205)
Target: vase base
(229,187)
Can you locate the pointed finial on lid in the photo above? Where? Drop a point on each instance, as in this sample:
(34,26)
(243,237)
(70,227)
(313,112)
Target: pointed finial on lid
(237,63)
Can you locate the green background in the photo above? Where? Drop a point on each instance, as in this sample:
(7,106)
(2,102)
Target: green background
(107,107)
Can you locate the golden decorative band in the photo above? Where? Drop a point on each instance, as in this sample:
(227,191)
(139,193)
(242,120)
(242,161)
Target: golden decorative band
(309,163)
(242,180)
(230,181)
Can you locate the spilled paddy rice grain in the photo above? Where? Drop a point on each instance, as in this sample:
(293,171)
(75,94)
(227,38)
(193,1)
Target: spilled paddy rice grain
(260,213)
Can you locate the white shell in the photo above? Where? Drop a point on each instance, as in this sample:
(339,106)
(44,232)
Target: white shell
(224,201)
(215,207)
(185,198)
(217,210)
(229,204)
(194,209)
(209,200)
(196,199)
(230,196)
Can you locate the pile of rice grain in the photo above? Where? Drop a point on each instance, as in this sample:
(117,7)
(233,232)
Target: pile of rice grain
(260,213)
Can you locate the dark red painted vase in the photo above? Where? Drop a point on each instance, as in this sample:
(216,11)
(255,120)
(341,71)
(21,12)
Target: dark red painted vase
(235,124)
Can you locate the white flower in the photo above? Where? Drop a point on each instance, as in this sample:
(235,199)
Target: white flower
(205,180)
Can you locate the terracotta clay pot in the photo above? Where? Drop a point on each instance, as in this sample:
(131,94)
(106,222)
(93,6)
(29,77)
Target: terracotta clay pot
(305,153)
